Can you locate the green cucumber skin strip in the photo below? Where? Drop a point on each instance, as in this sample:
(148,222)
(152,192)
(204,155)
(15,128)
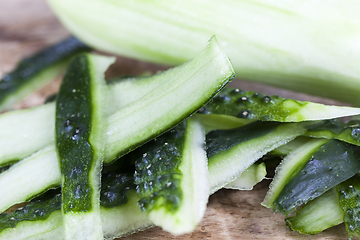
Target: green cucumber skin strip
(157,164)
(80,145)
(335,129)
(259,37)
(333,163)
(290,166)
(256,106)
(322,213)
(286,149)
(349,202)
(36,70)
(171,177)
(73,122)
(229,158)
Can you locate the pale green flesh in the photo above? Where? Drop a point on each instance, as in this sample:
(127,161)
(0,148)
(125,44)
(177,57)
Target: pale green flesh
(320,214)
(290,167)
(31,136)
(39,127)
(29,177)
(216,122)
(176,99)
(249,178)
(284,150)
(286,44)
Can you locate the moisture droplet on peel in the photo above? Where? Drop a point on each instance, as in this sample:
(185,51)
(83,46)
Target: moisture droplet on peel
(67,123)
(355,134)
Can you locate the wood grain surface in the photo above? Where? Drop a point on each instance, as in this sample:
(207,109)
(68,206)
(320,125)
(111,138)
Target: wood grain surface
(27,26)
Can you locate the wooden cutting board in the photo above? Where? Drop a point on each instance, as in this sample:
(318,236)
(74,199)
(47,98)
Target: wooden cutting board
(27,26)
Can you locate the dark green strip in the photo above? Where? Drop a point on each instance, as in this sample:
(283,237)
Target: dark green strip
(335,129)
(250,105)
(333,163)
(157,175)
(73,119)
(32,66)
(221,140)
(349,195)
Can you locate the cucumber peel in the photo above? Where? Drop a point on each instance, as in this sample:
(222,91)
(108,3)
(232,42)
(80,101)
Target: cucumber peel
(80,145)
(35,71)
(349,202)
(290,167)
(171,177)
(333,163)
(256,106)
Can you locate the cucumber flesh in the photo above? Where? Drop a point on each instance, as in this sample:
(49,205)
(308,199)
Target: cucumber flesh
(249,178)
(316,216)
(221,122)
(286,149)
(30,177)
(172,177)
(182,95)
(38,125)
(80,145)
(35,71)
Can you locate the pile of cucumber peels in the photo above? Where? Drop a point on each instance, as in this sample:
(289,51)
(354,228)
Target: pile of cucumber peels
(109,159)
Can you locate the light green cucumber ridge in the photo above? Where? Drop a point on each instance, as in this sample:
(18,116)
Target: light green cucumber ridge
(249,178)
